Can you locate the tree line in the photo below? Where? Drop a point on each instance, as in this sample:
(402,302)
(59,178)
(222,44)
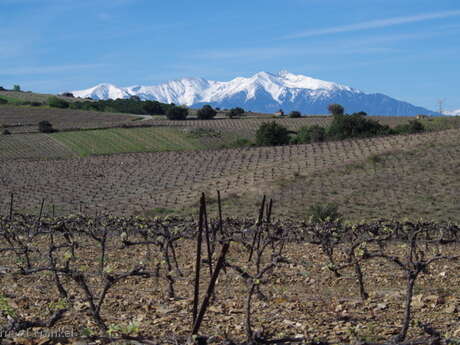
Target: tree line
(343,126)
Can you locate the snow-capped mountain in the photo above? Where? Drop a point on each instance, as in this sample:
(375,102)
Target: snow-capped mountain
(454,112)
(263,92)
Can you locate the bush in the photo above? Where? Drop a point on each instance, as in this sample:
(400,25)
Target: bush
(3,101)
(17,88)
(36,104)
(67,94)
(311,134)
(206,113)
(336,109)
(177,113)
(56,102)
(272,134)
(319,213)
(45,127)
(235,112)
(355,125)
(414,126)
(6,132)
(295,114)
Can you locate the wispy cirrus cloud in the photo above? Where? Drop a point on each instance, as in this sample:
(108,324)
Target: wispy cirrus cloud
(373,24)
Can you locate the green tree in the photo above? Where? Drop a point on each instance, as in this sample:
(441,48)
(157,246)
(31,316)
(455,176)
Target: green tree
(235,112)
(206,113)
(295,114)
(355,125)
(336,109)
(272,134)
(153,108)
(177,113)
(311,134)
(56,102)
(17,88)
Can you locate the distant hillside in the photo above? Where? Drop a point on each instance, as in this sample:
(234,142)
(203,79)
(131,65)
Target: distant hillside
(28,96)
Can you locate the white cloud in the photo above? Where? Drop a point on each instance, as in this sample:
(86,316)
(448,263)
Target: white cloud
(373,24)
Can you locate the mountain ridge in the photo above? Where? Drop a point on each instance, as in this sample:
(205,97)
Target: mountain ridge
(263,92)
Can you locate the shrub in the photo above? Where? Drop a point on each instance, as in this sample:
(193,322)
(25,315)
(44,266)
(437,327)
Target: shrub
(336,109)
(3,101)
(206,113)
(36,104)
(295,114)
(56,102)
(355,125)
(414,126)
(235,112)
(272,134)
(176,113)
(311,134)
(6,132)
(319,213)
(67,94)
(17,88)
(45,127)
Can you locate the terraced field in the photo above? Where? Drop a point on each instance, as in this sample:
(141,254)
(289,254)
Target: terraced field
(369,177)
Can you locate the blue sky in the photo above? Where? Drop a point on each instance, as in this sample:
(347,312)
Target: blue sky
(407,49)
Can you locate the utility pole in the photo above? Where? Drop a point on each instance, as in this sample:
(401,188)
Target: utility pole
(441,106)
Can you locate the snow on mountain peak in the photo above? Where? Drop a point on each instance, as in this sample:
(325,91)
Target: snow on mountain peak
(264,92)
(454,112)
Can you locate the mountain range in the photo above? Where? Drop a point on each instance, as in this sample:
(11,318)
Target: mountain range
(454,112)
(263,92)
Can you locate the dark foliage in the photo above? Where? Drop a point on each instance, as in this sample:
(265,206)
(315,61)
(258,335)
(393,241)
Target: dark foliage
(295,114)
(56,102)
(3,101)
(17,88)
(311,134)
(355,126)
(272,134)
(45,127)
(129,106)
(177,113)
(67,94)
(6,132)
(235,112)
(206,112)
(336,109)
(414,126)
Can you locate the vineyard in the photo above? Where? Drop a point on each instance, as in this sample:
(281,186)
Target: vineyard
(412,175)
(26,119)
(218,280)
(32,146)
(125,140)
